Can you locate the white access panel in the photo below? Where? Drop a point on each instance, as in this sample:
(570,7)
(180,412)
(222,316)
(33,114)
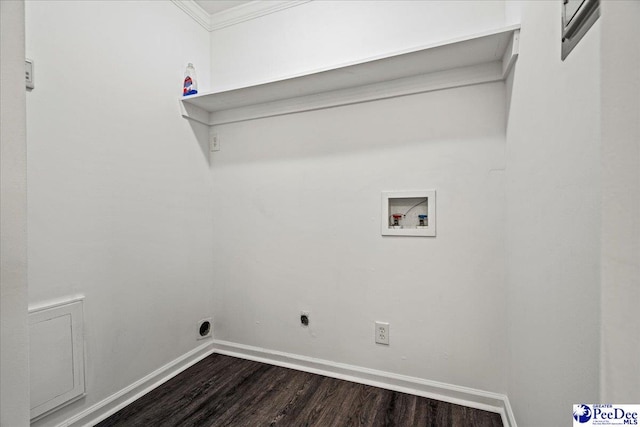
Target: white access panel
(56,356)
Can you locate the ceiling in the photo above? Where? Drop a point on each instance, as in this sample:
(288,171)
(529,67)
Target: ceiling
(215,6)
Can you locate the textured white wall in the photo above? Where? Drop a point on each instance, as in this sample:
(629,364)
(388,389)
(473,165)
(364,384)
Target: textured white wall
(14,361)
(621,201)
(322,34)
(119,192)
(553,221)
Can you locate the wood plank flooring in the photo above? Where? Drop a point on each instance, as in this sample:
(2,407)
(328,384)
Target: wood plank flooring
(227,391)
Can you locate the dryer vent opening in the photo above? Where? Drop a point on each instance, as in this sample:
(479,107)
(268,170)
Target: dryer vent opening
(204,329)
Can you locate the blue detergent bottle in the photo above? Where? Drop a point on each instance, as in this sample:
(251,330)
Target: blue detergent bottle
(190,86)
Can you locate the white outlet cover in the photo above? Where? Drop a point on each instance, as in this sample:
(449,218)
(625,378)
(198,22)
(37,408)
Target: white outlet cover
(382,333)
(214,142)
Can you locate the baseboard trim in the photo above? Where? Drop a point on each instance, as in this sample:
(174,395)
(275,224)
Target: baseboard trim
(451,393)
(466,396)
(119,400)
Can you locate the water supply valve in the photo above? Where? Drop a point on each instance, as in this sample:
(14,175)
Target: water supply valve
(408,213)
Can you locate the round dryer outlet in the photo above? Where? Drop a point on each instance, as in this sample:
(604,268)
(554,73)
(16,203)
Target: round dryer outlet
(205,328)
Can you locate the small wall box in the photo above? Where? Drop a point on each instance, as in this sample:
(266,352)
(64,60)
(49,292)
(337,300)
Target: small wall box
(408,213)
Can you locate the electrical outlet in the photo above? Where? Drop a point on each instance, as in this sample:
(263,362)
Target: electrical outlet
(214,142)
(382,333)
(304,318)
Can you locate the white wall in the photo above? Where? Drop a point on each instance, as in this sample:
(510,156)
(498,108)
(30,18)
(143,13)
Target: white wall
(297,203)
(122,209)
(14,369)
(297,226)
(324,34)
(620,365)
(119,192)
(553,221)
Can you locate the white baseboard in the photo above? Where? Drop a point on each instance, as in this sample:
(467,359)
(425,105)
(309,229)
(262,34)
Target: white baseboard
(479,399)
(488,401)
(112,404)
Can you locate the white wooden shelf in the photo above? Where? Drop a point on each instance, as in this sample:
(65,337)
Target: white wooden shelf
(481,58)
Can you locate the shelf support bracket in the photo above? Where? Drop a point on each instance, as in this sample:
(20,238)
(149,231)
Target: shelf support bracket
(194,113)
(510,54)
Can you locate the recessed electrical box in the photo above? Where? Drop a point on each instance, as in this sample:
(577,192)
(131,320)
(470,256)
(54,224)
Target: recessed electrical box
(578,16)
(408,213)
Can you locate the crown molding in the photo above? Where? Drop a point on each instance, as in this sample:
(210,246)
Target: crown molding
(235,15)
(249,11)
(195,11)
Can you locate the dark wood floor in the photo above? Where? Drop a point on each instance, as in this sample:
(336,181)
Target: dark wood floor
(227,391)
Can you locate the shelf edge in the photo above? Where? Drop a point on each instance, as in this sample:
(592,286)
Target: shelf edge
(448,79)
(361,61)
(485,72)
